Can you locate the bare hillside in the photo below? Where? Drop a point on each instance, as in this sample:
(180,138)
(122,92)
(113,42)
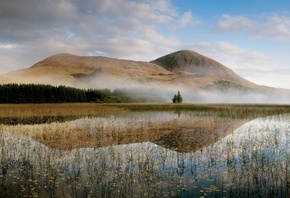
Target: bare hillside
(68,69)
(183,68)
(190,63)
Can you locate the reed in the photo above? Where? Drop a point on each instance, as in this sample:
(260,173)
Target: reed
(158,150)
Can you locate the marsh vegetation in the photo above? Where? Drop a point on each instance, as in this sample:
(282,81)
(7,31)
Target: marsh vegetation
(149,150)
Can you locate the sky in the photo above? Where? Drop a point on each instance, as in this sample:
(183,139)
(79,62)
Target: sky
(250,37)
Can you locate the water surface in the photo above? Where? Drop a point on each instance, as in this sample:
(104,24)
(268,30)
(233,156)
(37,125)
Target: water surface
(149,154)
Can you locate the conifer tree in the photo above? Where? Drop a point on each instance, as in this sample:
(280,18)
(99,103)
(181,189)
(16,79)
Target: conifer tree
(177,98)
(174,99)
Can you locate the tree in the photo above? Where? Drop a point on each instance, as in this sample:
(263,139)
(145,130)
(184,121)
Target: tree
(174,100)
(177,98)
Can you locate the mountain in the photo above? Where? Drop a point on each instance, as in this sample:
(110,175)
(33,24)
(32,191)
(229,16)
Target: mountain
(68,69)
(182,70)
(184,67)
(192,64)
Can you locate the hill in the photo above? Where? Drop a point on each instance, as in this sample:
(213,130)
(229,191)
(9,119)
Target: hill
(192,64)
(184,70)
(68,69)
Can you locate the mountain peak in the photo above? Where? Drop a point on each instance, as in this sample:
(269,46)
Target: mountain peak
(197,65)
(61,57)
(183,67)
(188,61)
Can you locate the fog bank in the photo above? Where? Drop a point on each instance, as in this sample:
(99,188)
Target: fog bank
(152,91)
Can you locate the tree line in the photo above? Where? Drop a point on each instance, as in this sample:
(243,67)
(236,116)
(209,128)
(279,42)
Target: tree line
(36,93)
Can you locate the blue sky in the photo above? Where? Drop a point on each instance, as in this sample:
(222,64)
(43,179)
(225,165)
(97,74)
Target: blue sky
(250,37)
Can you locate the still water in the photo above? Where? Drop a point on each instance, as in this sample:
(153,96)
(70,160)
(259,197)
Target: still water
(238,159)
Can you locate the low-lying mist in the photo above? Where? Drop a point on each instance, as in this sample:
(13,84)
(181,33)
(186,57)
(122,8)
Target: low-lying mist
(153,91)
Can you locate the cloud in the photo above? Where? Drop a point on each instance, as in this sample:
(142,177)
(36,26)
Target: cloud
(230,54)
(248,64)
(187,19)
(273,27)
(251,65)
(119,28)
(8,46)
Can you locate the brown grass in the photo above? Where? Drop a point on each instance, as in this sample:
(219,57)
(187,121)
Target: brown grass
(116,125)
(62,109)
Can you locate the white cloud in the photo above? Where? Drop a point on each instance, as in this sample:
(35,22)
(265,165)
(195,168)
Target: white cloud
(8,46)
(118,28)
(187,19)
(248,64)
(251,65)
(231,55)
(273,27)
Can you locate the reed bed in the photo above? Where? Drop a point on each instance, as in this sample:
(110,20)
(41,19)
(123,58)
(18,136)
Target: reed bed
(144,150)
(69,126)
(253,161)
(95,109)
(59,109)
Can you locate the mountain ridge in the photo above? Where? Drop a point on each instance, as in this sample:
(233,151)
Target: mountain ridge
(184,69)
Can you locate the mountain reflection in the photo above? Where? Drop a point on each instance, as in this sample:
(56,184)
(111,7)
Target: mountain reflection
(183,132)
(253,160)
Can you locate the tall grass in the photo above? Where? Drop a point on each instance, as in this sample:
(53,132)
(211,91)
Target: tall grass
(47,113)
(100,125)
(251,162)
(222,110)
(94,109)
(142,150)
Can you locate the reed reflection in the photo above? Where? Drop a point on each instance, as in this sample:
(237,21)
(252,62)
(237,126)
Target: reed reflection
(163,154)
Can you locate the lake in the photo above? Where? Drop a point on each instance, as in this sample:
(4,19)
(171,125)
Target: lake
(147,154)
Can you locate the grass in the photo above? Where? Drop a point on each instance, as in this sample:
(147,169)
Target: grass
(63,109)
(206,164)
(96,109)
(228,111)
(12,114)
(102,125)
